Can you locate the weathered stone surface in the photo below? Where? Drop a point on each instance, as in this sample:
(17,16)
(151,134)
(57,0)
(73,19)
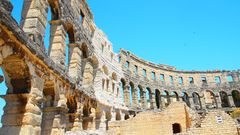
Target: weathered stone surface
(95,88)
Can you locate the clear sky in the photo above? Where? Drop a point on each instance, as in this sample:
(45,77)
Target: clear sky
(188,34)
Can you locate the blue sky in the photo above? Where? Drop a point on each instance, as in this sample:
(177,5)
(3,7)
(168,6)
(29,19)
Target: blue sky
(188,34)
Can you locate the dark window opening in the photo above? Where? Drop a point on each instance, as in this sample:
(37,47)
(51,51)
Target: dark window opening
(204,80)
(191,80)
(176,128)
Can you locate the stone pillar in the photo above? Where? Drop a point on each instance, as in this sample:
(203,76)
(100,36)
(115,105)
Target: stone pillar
(22,113)
(218,101)
(122,115)
(75,64)
(135,98)
(144,100)
(101,122)
(153,101)
(77,125)
(34,20)
(163,102)
(203,103)
(127,95)
(57,50)
(192,103)
(54,120)
(113,115)
(92,124)
(231,101)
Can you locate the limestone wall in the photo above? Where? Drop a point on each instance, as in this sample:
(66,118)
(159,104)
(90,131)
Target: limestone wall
(154,123)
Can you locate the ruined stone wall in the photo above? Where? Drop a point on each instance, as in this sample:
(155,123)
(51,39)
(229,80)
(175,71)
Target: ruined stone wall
(215,123)
(154,123)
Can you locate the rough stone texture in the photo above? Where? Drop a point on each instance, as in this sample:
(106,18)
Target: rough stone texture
(49,94)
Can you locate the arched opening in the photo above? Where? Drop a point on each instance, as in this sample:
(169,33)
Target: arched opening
(236,98)
(224,99)
(176,127)
(158,98)
(149,98)
(174,96)
(185,98)
(18,81)
(166,97)
(17,75)
(210,99)
(196,101)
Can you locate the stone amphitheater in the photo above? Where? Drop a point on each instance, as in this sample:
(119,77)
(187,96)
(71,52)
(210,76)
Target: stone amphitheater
(89,89)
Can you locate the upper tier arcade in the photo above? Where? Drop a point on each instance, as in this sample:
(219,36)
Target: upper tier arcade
(215,88)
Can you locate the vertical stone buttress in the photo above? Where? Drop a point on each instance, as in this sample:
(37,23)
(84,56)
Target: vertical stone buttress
(153,101)
(78,117)
(57,50)
(75,62)
(34,20)
(231,101)
(144,99)
(135,98)
(127,95)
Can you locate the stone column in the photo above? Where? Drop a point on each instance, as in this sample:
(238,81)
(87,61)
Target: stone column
(122,116)
(163,102)
(113,115)
(191,103)
(57,50)
(231,101)
(101,121)
(77,125)
(54,120)
(34,20)
(144,99)
(135,99)
(92,124)
(153,101)
(203,103)
(218,100)
(127,95)
(75,64)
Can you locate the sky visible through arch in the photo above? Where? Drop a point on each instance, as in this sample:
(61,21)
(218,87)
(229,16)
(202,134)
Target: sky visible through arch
(188,34)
